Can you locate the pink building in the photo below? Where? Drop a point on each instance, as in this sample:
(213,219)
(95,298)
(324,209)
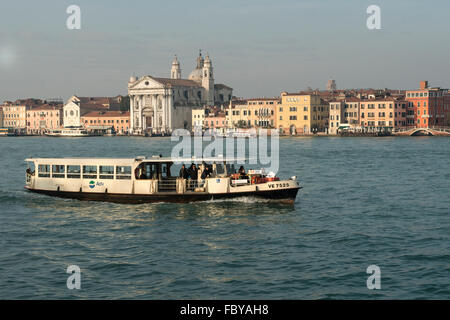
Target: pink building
(43,118)
(216,123)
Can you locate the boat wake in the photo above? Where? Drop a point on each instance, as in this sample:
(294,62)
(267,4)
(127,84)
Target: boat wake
(244,199)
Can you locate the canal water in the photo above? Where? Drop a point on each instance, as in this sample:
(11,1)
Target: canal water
(366,201)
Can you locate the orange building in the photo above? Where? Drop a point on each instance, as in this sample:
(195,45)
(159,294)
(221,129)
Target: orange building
(118,120)
(428,106)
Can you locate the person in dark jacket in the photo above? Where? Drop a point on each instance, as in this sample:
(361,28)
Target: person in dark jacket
(206,173)
(193,172)
(183,172)
(242,174)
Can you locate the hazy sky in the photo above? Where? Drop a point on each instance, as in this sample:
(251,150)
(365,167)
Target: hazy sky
(258,47)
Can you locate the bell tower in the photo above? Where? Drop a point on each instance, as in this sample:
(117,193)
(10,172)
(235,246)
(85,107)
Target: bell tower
(175,72)
(208,80)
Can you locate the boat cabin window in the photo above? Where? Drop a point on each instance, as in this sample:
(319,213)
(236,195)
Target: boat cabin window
(89,172)
(73,172)
(220,169)
(31,168)
(44,171)
(106,172)
(231,169)
(146,171)
(166,174)
(123,172)
(58,171)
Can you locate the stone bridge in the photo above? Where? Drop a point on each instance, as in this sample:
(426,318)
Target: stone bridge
(438,131)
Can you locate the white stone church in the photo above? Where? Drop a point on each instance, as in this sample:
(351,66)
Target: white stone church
(161,105)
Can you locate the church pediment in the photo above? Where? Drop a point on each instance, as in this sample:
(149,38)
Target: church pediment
(147,82)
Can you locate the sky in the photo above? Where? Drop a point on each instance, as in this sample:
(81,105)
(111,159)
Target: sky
(258,47)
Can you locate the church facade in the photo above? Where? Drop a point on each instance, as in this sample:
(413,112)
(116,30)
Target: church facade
(161,105)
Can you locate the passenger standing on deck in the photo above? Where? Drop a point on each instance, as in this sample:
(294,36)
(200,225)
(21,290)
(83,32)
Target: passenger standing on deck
(242,174)
(206,173)
(183,172)
(194,172)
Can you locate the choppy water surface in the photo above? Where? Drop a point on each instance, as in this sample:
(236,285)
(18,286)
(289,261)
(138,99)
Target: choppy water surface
(382,201)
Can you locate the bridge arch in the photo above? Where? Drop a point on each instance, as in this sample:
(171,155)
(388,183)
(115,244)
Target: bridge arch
(422,131)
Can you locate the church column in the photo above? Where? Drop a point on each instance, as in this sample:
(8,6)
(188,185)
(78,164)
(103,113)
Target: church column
(152,105)
(131,127)
(155,112)
(169,110)
(140,113)
(164,109)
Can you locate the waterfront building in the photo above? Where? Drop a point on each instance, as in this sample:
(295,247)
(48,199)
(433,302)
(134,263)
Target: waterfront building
(351,112)
(76,107)
(400,113)
(302,113)
(252,113)
(160,105)
(198,118)
(1,116)
(215,122)
(15,116)
(335,116)
(104,120)
(428,106)
(382,114)
(71,115)
(236,115)
(261,112)
(43,118)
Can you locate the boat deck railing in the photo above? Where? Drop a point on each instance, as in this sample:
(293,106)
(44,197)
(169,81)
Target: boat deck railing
(167,185)
(192,184)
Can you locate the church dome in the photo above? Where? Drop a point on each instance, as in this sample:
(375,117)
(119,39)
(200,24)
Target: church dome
(196,75)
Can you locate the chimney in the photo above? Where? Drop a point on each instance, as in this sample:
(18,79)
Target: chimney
(423,85)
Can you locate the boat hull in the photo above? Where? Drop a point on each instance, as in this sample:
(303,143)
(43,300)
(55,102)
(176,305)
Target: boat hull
(281,195)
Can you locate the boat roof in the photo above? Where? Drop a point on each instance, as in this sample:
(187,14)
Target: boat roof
(140,159)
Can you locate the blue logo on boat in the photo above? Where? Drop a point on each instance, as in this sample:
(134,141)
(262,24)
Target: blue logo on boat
(92,184)
(217,180)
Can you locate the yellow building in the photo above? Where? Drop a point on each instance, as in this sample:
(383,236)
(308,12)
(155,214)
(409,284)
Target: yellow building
(198,118)
(237,115)
(252,113)
(15,116)
(262,112)
(301,113)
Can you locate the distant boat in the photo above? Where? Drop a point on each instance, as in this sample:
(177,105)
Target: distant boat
(7,132)
(69,132)
(242,134)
